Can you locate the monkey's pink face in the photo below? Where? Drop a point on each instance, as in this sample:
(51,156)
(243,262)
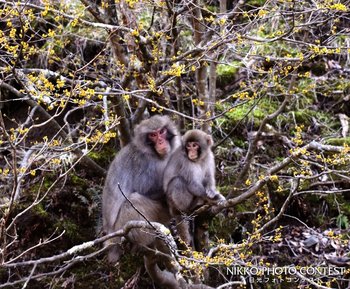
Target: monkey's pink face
(192,150)
(160,142)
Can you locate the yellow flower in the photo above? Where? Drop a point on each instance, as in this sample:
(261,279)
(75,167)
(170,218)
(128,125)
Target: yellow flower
(175,70)
(74,22)
(51,33)
(60,83)
(135,33)
(273,178)
(339,7)
(262,13)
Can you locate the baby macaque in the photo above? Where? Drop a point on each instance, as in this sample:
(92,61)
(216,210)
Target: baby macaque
(189,178)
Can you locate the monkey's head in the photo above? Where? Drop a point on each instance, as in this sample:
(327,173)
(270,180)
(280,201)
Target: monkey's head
(197,144)
(156,135)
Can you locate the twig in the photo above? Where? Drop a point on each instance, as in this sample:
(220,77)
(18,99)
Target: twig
(253,144)
(295,184)
(90,165)
(29,277)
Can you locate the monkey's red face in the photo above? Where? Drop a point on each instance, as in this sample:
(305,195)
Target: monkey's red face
(192,150)
(160,142)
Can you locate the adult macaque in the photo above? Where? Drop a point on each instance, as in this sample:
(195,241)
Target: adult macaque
(189,178)
(138,168)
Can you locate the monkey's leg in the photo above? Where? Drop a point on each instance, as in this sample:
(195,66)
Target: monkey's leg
(184,231)
(201,236)
(115,251)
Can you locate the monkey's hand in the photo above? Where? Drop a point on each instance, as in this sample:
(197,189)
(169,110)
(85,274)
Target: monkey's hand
(215,196)
(211,194)
(220,199)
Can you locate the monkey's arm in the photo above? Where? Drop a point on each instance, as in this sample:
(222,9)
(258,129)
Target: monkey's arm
(210,194)
(197,189)
(180,184)
(210,185)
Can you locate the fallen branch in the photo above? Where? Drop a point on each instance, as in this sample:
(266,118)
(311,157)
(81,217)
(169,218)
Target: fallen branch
(81,247)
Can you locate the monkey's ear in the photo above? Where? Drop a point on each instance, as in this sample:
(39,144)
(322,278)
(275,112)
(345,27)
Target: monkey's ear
(183,144)
(210,141)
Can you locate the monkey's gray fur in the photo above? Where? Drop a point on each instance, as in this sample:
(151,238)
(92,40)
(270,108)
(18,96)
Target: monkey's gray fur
(143,209)
(154,248)
(146,240)
(190,183)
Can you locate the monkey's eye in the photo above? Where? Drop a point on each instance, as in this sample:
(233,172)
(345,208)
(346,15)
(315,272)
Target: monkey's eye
(163,130)
(152,135)
(192,145)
